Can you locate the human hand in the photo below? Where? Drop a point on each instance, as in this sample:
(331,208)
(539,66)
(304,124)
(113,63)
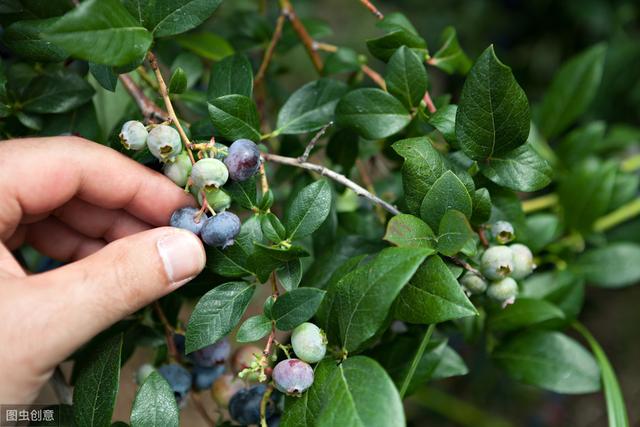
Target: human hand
(78,201)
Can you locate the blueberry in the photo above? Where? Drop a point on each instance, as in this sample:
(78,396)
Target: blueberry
(179,341)
(143,372)
(243,160)
(164,143)
(203,378)
(273,421)
(292,376)
(217,199)
(178,171)
(503,232)
(221,230)
(212,355)
(224,388)
(133,135)
(473,283)
(244,356)
(504,290)
(522,261)
(209,174)
(309,342)
(244,406)
(497,262)
(185,218)
(179,380)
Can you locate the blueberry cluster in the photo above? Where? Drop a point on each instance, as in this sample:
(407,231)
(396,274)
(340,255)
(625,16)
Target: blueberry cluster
(206,177)
(502,265)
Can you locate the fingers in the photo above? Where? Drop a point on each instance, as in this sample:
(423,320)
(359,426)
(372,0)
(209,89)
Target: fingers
(39,175)
(110,284)
(57,240)
(9,267)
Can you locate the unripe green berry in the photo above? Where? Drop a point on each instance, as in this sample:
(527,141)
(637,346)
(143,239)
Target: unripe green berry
(309,342)
(217,199)
(522,261)
(143,372)
(503,232)
(504,290)
(497,262)
(164,143)
(209,174)
(473,283)
(178,171)
(133,135)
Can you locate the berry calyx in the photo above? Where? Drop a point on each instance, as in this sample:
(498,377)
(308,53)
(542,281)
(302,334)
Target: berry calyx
(209,174)
(292,376)
(164,143)
(179,170)
(522,261)
(133,135)
(503,232)
(188,218)
(244,357)
(221,230)
(309,342)
(243,160)
(497,262)
(473,283)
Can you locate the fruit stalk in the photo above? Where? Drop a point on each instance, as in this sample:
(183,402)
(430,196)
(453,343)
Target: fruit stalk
(263,406)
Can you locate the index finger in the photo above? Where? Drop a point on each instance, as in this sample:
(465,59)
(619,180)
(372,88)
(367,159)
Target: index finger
(38,175)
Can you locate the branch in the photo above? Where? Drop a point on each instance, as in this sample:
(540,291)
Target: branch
(263,406)
(168,331)
(375,76)
(268,54)
(148,108)
(313,142)
(465,265)
(372,9)
(360,191)
(303,34)
(427,100)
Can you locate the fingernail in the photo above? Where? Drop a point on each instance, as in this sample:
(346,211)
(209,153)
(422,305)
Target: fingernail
(182,256)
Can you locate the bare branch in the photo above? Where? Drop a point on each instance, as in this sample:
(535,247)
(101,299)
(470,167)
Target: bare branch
(148,108)
(313,142)
(303,34)
(268,54)
(372,9)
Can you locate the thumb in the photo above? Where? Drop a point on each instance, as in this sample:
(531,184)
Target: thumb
(81,299)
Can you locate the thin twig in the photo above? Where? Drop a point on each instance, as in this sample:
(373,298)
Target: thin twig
(263,406)
(303,34)
(195,397)
(148,108)
(264,182)
(360,191)
(142,72)
(464,264)
(417,358)
(427,100)
(368,182)
(483,237)
(375,76)
(372,8)
(268,54)
(61,388)
(168,331)
(313,142)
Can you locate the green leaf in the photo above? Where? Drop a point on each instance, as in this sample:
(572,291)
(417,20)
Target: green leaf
(406,230)
(24,38)
(616,410)
(406,77)
(422,167)
(207,45)
(235,117)
(481,206)
(562,288)
(446,193)
(361,300)
(373,113)
(453,233)
(550,360)
(244,193)
(235,261)
(444,119)
(311,107)
(571,91)
(155,405)
(433,295)
(308,210)
(290,274)
(96,386)
(170,17)
(266,259)
(396,21)
(341,61)
(56,93)
(178,82)
(493,114)
(272,228)
(254,328)
(543,229)
(104,75)
(614,266)
(521,170)
(231,76)
(101,31)
(523,313)
(295,307)
(217,313)
(450,58)
(344,395)
(384,47)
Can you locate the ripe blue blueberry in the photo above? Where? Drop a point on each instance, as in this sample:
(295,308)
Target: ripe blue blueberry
(164,143)
(244,406)
(503,232)
(179,380)
(309,342)
(217,199)
(203,378)
(209,174)
(497,262)
(133,135)
(178,171)
(522,261)
(212,355)
(225,387)
(221,230)
(186,218)
(292,376)
(243,160)
(143,372)
(504,291)
(473,283)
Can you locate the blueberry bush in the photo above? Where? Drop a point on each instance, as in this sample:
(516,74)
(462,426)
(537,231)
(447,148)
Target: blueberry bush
(369,219)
